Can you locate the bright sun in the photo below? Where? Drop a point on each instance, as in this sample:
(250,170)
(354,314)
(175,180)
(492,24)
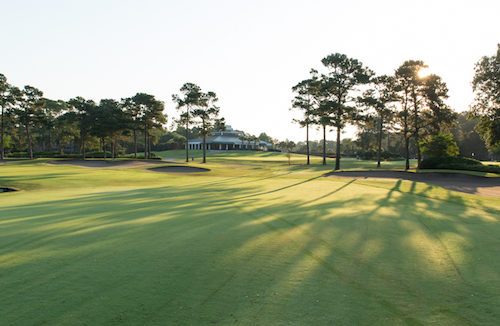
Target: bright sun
(423,72)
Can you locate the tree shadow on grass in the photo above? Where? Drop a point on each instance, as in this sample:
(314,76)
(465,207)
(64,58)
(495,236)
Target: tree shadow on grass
(339,252)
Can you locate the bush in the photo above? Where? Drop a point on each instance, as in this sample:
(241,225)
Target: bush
(439,145)
(457,163)
(97,154)
(141,156)
(372,155)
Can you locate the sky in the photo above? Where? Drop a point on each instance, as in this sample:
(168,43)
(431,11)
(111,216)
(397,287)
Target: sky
(250,53)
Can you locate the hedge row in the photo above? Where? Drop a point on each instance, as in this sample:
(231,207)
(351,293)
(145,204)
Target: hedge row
(457,163)
(75,156)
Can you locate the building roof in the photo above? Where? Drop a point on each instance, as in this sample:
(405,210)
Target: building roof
(229,136)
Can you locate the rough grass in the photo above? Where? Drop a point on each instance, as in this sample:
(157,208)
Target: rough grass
(242,245)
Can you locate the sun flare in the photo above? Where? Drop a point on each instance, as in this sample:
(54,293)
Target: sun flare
(423,72)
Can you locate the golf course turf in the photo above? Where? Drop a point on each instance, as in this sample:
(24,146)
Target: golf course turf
(259,243)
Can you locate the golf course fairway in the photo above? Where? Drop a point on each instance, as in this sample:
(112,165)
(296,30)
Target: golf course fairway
(253,241)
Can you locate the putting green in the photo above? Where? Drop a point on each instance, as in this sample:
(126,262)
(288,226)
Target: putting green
(257,244)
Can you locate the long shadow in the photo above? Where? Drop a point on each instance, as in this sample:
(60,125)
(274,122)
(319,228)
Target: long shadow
(211,254)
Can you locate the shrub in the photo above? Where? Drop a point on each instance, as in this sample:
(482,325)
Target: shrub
(372,155)
(457,163)
(439,145)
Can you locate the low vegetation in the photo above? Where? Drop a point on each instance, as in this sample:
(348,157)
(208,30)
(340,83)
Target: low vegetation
(458,163)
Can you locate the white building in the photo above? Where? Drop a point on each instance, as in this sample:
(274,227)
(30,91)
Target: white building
(228,140)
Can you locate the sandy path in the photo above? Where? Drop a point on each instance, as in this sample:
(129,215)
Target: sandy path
(453,181)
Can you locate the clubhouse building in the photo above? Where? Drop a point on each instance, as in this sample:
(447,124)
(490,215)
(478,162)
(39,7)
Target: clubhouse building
(228,140)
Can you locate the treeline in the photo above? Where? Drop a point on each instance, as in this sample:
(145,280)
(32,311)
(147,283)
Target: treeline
(34,123)
(35,126)
(365,145)
(406,109)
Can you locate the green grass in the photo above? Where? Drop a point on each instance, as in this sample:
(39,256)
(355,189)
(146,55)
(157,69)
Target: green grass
(275,158)
(257,244)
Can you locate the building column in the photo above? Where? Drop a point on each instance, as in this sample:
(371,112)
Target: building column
(227,147)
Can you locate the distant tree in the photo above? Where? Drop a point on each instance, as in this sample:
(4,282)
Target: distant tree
(486,106)
(83,113)
(404,78)
(380,98)
(190,98)
(29,111)
(66,130)
(411,87)
(439,117)
(243,138)
(344,75)
(206,116)
(264,137)
(6,101)
(288,146)
(367,134)
(468,140)
(307,100)
(133,113)
(109,123)
(4,86)
(48,120)
(150,111)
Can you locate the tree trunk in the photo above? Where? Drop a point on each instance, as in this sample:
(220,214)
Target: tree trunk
(50,141)
(187,143)
(28,135)
(135,143)
(204,148)
(405,131)
(83,144)
(60,146)
(379,152)
(307,143)
(2,153)
(337,155)
(419,153)
(324,145)
(417,128)
(150,145)
(104,147)
(145,142)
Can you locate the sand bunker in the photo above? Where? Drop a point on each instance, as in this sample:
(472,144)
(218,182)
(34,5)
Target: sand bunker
(6,190)
(453,181)
(178,169)
(119,164)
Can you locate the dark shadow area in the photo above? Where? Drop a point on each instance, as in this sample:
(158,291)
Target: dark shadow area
(107,163)
(178,169)
(6,190)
